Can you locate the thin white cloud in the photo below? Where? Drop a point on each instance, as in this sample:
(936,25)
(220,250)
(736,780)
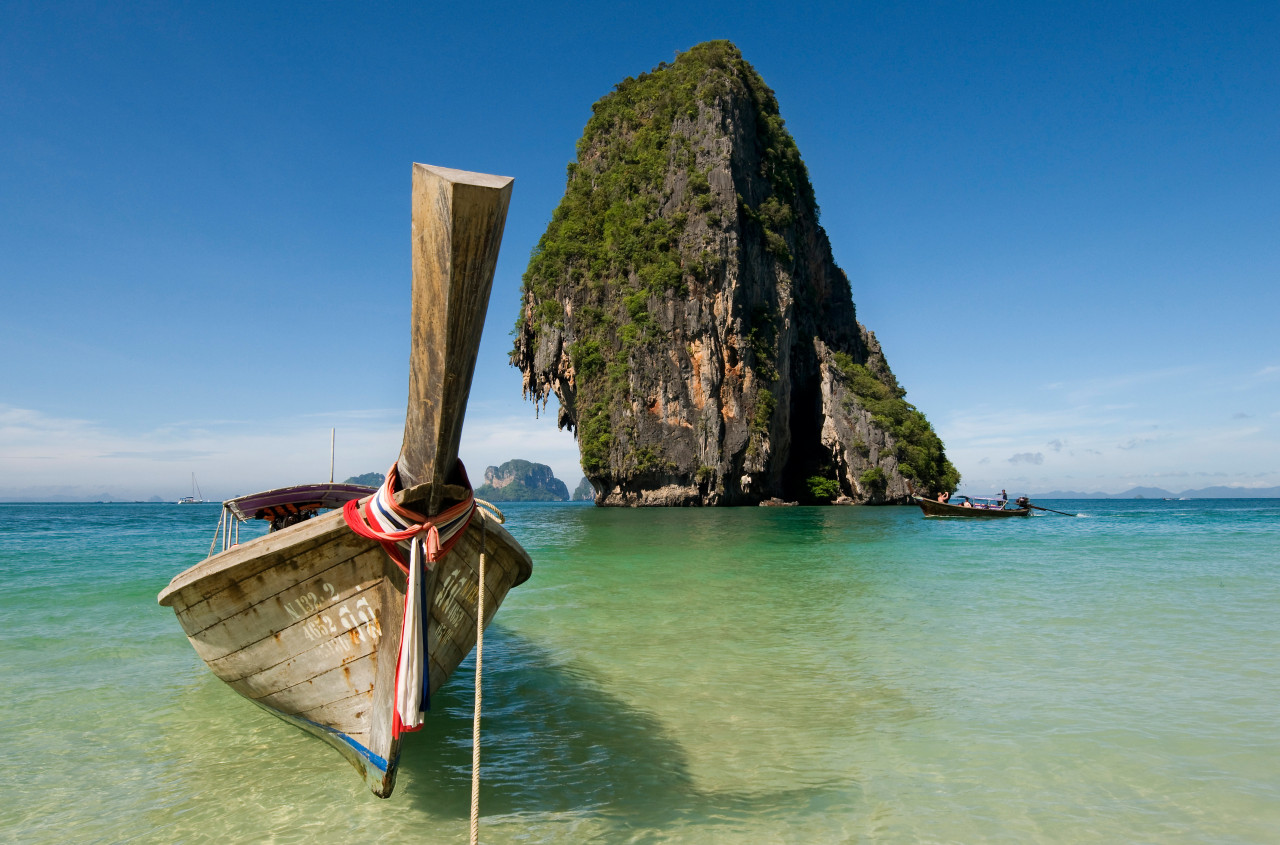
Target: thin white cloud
(1112,442)
(1085,390)
(44,457)
(160,455)
(1134,443)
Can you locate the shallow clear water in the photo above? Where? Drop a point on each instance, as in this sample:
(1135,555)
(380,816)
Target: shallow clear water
(747,675)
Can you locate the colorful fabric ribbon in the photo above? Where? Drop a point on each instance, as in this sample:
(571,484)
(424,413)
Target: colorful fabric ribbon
(426,539)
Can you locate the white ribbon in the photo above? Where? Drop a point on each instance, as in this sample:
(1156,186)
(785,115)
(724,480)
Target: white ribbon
(411,663)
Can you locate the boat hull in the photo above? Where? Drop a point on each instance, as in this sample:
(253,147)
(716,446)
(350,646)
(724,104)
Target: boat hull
(932,508)
(305,622)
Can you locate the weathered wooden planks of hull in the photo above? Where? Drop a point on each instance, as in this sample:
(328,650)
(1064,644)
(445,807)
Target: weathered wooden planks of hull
(932,508)
(305,622)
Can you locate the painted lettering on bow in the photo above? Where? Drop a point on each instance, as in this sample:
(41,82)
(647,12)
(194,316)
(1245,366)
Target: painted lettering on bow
(308,603)
(353,626)
(456,599)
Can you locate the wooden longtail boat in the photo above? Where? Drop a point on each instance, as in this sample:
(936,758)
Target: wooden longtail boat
(978,509)
(306,621)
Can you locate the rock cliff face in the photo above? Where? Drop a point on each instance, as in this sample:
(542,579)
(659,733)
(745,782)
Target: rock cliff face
(584,492)
(684,307)
(522,481)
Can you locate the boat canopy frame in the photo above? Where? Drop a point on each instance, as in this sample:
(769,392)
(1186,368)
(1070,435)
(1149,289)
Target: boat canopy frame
(301,499)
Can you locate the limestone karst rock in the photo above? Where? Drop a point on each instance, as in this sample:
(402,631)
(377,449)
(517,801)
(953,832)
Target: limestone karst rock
(684,307)
(584,492)
(522,481)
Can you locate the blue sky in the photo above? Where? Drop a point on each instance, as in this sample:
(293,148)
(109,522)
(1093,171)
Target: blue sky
(1060,220)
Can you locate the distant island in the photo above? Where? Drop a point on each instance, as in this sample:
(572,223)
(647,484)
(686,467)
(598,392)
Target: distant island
(1161,493)
(368,479)
(584,491)
(522,481)
(515,481)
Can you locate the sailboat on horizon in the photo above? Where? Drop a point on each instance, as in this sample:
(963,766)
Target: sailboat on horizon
(196,497)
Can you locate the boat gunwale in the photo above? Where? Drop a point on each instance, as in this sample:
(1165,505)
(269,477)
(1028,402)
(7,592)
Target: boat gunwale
(315,531)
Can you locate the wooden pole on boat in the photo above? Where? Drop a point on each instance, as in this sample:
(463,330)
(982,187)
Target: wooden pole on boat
(458,219)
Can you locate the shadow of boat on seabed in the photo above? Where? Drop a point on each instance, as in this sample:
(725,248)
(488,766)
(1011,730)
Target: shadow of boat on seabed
(555,745)
(553,742)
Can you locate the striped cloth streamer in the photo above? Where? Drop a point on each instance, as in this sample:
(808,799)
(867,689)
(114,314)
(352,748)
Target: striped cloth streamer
(427,540)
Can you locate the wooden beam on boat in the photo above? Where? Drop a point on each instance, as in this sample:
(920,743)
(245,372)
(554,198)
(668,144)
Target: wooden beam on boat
(458,220)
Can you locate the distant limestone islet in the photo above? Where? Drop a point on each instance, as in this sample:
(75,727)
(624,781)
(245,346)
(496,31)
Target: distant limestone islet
(515,481)
(584,491)
(522,481)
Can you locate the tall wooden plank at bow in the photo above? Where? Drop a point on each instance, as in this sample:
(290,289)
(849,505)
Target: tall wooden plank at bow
(475,207)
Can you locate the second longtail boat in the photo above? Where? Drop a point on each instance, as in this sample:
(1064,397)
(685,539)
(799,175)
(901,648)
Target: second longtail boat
(974,509)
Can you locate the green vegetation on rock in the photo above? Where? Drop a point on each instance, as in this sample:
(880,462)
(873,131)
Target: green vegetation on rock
(874,480)
(623,242)
(920,452)
(822,489)
(517,491)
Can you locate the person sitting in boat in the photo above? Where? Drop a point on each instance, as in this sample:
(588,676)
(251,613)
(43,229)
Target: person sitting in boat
(944,496)
(966,503)
(286,519)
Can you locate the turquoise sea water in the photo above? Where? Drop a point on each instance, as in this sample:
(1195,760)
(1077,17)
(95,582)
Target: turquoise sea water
(802,675)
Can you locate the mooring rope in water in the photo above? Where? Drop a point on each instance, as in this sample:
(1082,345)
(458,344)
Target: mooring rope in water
(475,721)
(432,537)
